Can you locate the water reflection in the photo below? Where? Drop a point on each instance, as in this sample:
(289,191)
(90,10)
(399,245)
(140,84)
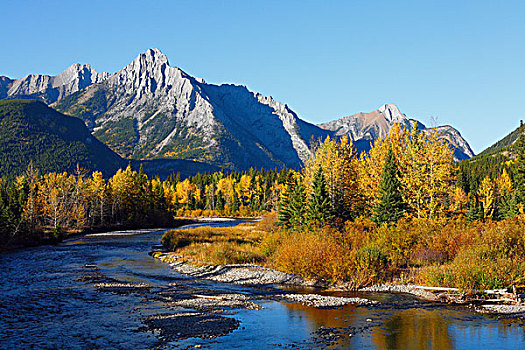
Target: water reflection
(403,326)
(414,329)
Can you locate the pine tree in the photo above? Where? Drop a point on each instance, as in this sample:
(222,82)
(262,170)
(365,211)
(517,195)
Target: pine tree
(318,208)
(219,203)
(475,211)
(297,204)
(285,210)
(235,202)
(390,206)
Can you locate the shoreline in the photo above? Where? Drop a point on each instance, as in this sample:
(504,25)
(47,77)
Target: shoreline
(259,276)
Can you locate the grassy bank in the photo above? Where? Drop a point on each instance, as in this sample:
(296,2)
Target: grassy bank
(443,253)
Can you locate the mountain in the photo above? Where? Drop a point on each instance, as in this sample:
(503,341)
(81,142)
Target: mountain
(150,110)
(365,128)
(31,131)
(505,144)
(51,88)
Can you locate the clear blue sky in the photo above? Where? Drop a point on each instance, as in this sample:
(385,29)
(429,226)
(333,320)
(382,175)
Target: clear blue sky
(459,61)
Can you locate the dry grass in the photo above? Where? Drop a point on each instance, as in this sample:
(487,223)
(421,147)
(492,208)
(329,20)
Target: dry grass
(217,245)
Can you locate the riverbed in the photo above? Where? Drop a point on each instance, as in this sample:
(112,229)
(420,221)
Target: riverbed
(106,291)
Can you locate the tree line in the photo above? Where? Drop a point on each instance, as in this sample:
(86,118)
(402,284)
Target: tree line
(53,205)
(409,174)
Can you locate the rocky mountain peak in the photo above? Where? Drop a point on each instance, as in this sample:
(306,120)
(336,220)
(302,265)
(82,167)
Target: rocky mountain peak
(153,57)
(148,74)
(392,114)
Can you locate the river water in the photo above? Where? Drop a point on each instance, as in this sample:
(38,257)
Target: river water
(47,303)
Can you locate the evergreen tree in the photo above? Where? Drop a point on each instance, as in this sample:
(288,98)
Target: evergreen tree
(390,206)
(285,210)
(475,211)
(297,204)
(219,202)
(508,206)
(318,208)
(235,202)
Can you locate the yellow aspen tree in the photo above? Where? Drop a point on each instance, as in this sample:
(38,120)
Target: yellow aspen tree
(226,186)
(487,195)
(245,189)
(186,192)
(439,159)
(97,190)
(459,203)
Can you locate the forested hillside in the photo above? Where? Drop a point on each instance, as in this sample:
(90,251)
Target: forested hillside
(30,131)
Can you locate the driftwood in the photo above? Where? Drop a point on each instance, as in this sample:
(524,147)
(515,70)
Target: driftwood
(502,295)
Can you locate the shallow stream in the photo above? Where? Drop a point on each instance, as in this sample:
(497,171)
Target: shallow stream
(49,301)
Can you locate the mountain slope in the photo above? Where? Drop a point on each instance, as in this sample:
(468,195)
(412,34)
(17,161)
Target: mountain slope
(31,131)
(365,128)
(150,110)
(48,88)
(505,144)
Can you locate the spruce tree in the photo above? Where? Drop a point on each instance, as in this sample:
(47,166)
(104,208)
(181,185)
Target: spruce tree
(297,204)
(219,202)
(390,206)
(475,211)
(318,208)
(235,202)
(285,210)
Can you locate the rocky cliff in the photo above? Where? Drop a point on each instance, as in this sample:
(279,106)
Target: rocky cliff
(151,110)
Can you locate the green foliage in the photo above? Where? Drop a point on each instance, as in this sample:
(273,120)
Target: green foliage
(32,132)
(292,207)
(390,205)
(318,208)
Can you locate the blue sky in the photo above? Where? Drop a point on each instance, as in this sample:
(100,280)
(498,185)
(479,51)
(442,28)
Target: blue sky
(458,61)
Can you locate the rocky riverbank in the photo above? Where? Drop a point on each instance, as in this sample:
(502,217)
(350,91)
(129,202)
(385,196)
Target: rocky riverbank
(258,276)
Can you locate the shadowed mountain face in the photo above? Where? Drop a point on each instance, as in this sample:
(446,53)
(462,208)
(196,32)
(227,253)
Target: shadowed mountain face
(31,131)
(151,110)
(365,128)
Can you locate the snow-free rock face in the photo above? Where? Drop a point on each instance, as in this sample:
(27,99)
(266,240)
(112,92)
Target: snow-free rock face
(461,147)
(53,88)
(151,110)
(365,128)
(369,126)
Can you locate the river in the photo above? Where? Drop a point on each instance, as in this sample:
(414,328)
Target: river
(49,300)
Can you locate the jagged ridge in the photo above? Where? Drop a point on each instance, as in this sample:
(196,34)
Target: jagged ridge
(365,128)
(152,110)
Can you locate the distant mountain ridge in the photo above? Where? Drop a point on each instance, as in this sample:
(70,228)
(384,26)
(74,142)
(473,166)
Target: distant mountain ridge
(48,88)
(365,128)
(505,144)
(151,110)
